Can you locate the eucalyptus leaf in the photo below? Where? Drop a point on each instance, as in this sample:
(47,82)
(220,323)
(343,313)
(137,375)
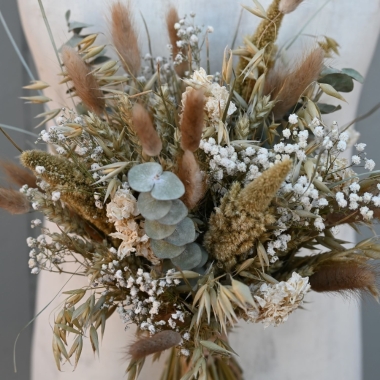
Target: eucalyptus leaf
(329,70)
(340,81)
(156,230)
(204,258)
(184,233)
(190,258)
(153,209)
(67,15)
(73,41)
(353,74)
(328,108)
(74,25)
(167,187)
(178,211)
(165,250)
(142,177)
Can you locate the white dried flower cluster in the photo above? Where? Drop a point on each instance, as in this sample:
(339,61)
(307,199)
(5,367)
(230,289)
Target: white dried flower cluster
(121,211)
(142,305)
(277,301)
(43,255)
(71,126)
(189,35)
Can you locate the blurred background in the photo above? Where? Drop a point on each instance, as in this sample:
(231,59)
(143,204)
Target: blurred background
(18,286)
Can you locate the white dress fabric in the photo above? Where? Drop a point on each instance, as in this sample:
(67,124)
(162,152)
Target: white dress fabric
(322,341)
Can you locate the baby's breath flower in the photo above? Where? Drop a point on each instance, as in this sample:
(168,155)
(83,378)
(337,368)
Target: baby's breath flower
(293,118)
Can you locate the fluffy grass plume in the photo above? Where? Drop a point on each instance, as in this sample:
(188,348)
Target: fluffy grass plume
(191,176)
(18,175)
(76,188)
(287,86)
(242,217)
(258,195)
(172,18)
(13,201)
(85,83)
(343,277)
(288,6)
(143,126)
(157,343)
(124,37)
(192,120)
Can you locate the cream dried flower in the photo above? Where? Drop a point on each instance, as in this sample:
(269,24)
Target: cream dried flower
(122,206)
(277,301)
(199,78)
(134,240)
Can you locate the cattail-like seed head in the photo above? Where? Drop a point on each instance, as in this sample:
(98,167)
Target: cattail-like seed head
(344,277)
(191,176)
(287,87)
(171,19)
(143,126)
(192,120)
(124,37)
(18,175)
(86,86)
(13,201)
(157,343)
(288,6)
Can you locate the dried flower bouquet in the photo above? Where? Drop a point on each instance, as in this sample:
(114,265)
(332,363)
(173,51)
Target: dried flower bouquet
(186,197)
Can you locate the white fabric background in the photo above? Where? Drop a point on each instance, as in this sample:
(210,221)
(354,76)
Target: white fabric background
(320,342)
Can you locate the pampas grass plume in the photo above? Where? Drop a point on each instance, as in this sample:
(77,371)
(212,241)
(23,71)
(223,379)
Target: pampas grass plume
(18,175)
(192,120)
(191,176)
(344,278)
(124,37)
(286,87)
(13,201)
(143,126)
(288,6)
(157,343)
(86,86)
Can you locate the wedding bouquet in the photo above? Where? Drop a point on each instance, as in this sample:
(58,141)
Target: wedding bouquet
(186,197)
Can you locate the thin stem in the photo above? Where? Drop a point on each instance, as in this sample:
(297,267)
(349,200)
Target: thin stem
(52,41)
(10,139)
(362,117)
(34,318)
(18,130)
(306,24)
(17,50)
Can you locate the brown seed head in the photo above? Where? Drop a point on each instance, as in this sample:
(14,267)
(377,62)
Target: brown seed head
(191,176)
(344,277)
(287,87)
(13,201)
(124,37)
(171,19)
(157,343)
(192,120)
(86,86)
(143,126)
(18,175)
